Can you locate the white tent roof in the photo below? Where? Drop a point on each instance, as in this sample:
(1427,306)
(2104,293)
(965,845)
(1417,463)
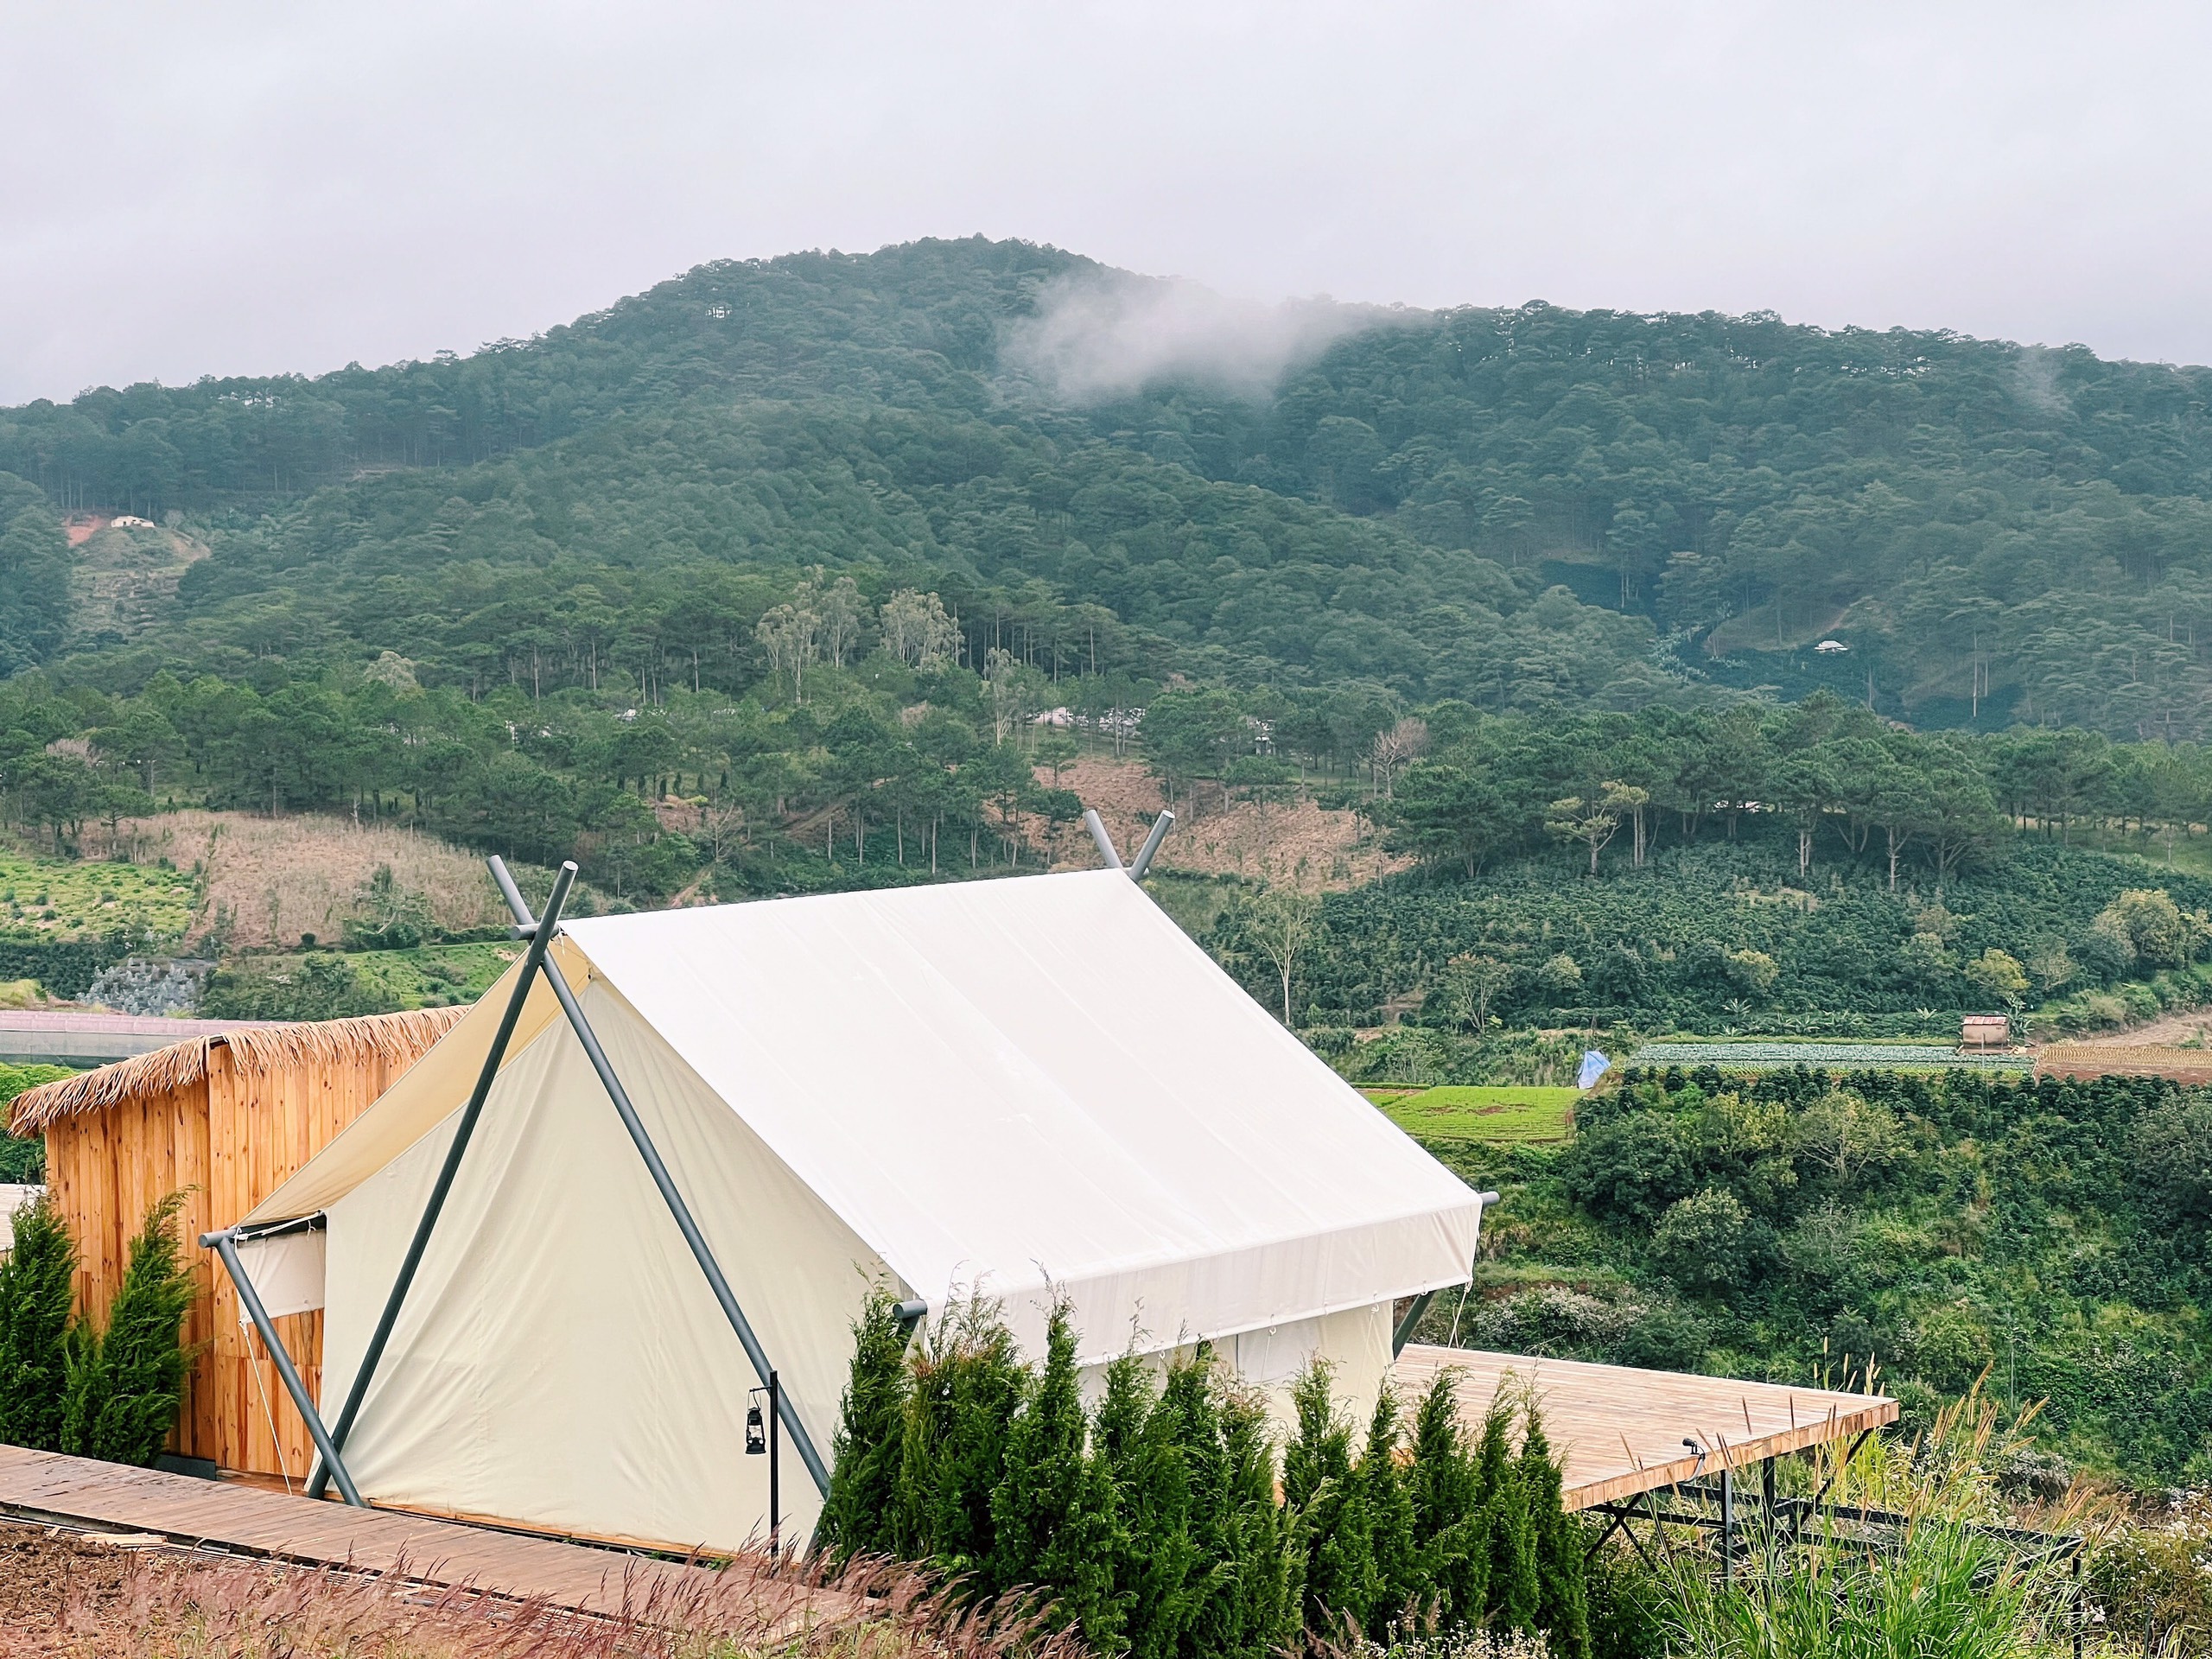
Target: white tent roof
(1007,1083)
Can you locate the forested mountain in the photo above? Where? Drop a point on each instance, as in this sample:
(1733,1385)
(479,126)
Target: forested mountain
(1522,509)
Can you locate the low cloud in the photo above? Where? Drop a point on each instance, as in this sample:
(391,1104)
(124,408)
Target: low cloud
(1099,335)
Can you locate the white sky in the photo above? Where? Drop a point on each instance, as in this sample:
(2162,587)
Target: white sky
(229,188)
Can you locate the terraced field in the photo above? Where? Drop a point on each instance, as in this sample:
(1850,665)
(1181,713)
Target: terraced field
(1504,1115)
(1753,1056)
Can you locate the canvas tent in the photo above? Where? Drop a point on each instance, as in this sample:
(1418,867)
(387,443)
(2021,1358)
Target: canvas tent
(1034,1086)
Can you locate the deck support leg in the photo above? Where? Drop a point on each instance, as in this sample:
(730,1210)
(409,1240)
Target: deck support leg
(701,1252)
(226,1245)
(533,961)
(1727,1523)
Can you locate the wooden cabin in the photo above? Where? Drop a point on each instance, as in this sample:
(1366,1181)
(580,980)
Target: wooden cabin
(223,1119)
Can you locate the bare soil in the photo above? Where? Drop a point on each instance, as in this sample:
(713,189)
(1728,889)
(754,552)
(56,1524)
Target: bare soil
(1299,842)
(2183,1025)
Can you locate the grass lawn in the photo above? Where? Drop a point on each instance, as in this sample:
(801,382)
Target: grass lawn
(1506,1114)
(60,899)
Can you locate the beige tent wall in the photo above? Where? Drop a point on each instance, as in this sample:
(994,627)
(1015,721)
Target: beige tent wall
(1356,1343)
(561,1363)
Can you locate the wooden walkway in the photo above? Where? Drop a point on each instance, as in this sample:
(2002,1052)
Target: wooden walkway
(1621,1430)
(43,1487)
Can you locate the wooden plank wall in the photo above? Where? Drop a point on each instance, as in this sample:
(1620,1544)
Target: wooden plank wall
(226,1143)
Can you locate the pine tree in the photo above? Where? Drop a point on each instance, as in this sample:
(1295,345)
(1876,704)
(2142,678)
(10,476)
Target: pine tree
(1340,1577)
(1445,1485)
(1054,1518)
(35,1297)
(1509,1541)
(857,1515)
(1383,1493)
(1563,1609)
(130,1381)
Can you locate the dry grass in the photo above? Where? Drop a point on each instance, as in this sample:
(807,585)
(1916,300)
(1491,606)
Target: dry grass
(277,879)
(67,1597)
(1310,846)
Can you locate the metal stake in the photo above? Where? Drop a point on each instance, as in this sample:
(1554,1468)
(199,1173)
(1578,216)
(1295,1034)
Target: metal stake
(226,1245)
(533,961)
(775,1467)
(1727,1524)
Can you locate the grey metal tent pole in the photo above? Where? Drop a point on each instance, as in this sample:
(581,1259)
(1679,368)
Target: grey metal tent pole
(785,1412)
(1403,1334)
(1097,825)
(533,963)
(226,1245)
(1143,862)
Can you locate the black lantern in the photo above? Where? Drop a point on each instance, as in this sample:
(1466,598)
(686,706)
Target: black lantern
(756,1428)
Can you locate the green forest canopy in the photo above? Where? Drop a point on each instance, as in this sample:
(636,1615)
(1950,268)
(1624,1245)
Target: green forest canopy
(1999,531)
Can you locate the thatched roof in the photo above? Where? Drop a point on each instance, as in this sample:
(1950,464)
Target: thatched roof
(402,1037)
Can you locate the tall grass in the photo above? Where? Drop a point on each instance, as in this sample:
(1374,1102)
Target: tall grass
(172,1607)
(1936,1583)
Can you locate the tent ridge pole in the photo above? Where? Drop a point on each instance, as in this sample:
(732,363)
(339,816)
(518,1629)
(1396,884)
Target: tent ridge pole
(533,963)
(226,1245)
(701,1251)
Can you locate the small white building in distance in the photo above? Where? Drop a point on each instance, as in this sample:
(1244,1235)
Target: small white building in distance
(1831,647)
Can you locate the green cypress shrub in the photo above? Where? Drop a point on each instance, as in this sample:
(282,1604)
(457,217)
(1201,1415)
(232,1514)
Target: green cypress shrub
(1384,1495)
(1267,1545)
(1157,1574)
(35,1297)
(1445,1485)
(857,1515)
(1563,1604)
(128,1381)
(1340,1577)
(1054,1517)
(1190,1406)
(1514,1593)
(966,1383)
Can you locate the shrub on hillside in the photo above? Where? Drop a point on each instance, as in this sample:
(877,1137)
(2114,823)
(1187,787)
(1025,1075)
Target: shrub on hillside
(319,986)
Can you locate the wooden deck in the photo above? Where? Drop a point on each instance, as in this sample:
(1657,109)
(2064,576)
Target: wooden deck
(1620,1430)
(43,1487)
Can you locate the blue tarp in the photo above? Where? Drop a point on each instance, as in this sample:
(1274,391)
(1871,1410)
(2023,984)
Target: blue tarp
(1594,1066)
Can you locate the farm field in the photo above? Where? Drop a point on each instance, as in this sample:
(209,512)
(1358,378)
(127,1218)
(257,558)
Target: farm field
(1501,1114)
(1755,1055)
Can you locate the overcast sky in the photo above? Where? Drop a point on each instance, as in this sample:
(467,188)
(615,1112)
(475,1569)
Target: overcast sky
(230,188)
